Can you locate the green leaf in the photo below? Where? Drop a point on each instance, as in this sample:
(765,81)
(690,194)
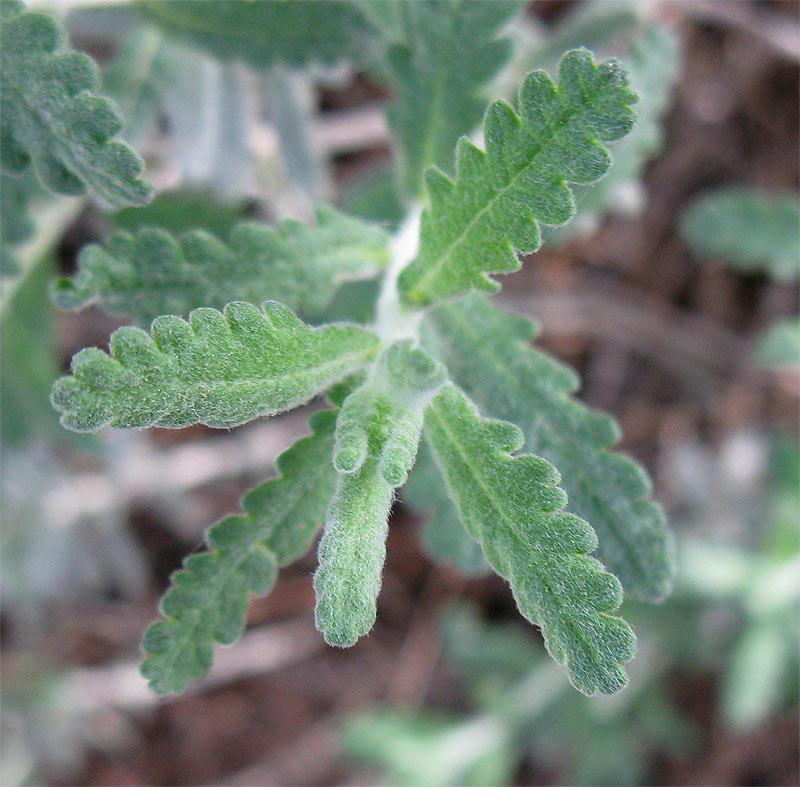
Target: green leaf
(655,63)
(16,222)
(780,344)
(753,231)
(138,78)
(182,210)
(52,119)
(262,32)
(443,537)
(382,419)
(351,555)
(153,273)
(377,434)
(474,224)
(27,359)
(219,368)
(449,51)
(488,354)
(512,505)
(208,598)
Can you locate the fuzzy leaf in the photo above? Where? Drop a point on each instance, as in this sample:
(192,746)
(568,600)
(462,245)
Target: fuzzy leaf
(153,273)
(219,368)
(512,505)
(751,230)
(449,51)
(474,224)
(655,63)
(443,537)
(351,555)
(208,598)
(51,117)
(488,354)
(382,419)
(262,32)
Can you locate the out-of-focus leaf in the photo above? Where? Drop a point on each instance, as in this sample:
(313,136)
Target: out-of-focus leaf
(780,345)
(153,273)
(751,230)
(52,118)
(27,359)
(262,32)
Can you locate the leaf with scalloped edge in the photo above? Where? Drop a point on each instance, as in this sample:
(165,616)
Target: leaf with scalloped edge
(449,52)
(475,223)
(488,354)
(262,32)
(218,368)
(153,273)
(513,506)
(51,117)
(208,598)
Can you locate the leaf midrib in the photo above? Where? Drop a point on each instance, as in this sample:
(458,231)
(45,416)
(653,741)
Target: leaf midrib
(566,619)
(586,480)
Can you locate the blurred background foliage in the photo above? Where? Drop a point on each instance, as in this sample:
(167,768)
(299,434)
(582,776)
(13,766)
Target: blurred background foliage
(673,291)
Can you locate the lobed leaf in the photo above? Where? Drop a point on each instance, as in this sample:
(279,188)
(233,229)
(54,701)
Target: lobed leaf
(655,64)
(351,555)
(218,368)
(512,505)
(207,602)
(447,52)
(488,354)
(51,117)
(262,32)
(383,418)
(153,273)
(752,230)
(474,224)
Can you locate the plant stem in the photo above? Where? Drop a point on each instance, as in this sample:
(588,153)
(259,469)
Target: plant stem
(393,321)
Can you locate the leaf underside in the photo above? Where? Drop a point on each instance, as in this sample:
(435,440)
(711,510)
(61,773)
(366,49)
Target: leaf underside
(218,368)
(377,435)
(351,554)
(474,224)
(382,419)
(488,354)
(51,119)
(266,31)
(153,273)
(512,505)
(449,52)
(208,598)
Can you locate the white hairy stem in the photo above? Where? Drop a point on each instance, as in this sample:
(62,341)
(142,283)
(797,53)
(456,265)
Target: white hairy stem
(393,321)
